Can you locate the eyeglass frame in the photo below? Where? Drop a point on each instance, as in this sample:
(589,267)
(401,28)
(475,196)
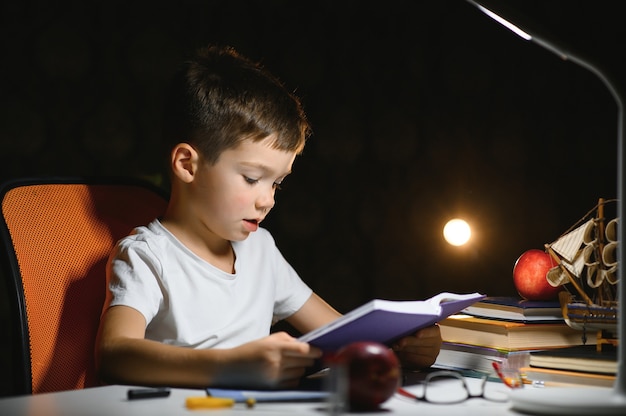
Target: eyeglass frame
(450,374)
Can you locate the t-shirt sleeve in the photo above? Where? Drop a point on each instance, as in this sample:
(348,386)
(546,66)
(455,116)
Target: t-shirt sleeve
(291,291)
(132,278)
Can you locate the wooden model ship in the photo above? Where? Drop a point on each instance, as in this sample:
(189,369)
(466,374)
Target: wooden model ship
(586,266)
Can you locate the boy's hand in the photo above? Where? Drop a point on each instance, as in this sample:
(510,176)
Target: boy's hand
(419,350)
(276,361)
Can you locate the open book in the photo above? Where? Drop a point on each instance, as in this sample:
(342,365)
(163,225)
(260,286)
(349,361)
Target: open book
(385,321)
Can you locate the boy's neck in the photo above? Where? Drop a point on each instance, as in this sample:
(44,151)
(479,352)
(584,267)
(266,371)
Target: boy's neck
(215,251)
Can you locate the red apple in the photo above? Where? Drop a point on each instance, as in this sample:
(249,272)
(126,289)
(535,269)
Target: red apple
(372,371)
(529,275)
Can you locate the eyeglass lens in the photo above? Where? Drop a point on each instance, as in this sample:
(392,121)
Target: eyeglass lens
(447,387)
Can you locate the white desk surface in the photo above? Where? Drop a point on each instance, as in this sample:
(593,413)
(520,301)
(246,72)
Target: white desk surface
(111,400)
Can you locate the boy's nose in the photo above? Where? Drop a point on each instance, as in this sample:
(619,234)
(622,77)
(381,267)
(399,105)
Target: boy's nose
(266,201)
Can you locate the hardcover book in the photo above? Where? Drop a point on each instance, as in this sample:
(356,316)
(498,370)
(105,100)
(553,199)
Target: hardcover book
(385,321)
(474,357)
(510,335)
(516,309)
(578,358)
(544,377)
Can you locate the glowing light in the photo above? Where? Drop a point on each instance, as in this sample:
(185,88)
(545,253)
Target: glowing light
(457,232)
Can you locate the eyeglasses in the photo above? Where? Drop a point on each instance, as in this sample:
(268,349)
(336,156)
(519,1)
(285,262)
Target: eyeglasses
(449,387)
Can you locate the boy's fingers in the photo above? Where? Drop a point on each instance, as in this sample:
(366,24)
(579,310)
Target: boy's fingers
(302,349)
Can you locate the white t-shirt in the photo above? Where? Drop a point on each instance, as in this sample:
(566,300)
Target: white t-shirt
(188,302)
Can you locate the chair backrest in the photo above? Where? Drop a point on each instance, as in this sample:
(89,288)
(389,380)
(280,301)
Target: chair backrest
(56,238)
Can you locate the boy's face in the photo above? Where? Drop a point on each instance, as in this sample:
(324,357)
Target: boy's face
(236,193)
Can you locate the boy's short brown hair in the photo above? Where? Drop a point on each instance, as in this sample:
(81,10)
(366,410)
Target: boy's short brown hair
(220,98)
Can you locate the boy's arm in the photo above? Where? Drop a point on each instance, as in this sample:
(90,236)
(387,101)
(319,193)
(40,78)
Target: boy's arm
(421,349)
(124,356)
(314,313)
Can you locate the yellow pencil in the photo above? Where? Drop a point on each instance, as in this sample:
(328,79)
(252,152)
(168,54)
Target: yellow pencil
(208,402)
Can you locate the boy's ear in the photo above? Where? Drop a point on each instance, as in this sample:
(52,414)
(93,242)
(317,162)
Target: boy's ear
(184,162)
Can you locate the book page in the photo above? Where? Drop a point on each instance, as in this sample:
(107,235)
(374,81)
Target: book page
(444,297)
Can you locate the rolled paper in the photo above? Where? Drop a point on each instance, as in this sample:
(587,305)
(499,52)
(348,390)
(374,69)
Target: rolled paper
(589,254)
(609,254)
(611,275)
(595,276)
(590,233)
(611,230)
(557,277)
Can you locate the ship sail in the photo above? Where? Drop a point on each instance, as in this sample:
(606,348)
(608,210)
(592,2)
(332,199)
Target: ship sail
(569,247)
(586,261)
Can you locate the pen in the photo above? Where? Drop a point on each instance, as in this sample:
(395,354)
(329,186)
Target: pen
(512,382)
(148,393)
(208,402)
(406,393)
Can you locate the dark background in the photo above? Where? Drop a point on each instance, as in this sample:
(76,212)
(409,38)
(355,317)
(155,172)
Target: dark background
(421,110)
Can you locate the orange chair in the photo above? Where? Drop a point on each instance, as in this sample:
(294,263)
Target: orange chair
(56,237)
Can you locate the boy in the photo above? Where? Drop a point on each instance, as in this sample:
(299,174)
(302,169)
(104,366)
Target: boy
(192,296)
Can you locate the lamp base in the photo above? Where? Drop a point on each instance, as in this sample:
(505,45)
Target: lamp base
(569,401)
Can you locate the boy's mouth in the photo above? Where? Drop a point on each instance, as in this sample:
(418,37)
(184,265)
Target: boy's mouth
(251,225)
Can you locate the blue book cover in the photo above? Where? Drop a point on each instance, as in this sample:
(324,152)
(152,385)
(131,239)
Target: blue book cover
(516,309)
(385,321)
(520,303)
(268,395)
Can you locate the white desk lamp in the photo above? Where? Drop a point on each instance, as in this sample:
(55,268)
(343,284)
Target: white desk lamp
(577,400)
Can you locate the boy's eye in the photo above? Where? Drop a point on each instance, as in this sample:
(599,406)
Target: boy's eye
(252,181)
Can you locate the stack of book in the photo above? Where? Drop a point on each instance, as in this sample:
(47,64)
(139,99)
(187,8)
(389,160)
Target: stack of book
(504,329)
(476,358)
(581,364)
(516,309)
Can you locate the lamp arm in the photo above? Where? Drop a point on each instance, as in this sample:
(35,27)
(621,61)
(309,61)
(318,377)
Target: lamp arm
(616,91)
(531,31)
